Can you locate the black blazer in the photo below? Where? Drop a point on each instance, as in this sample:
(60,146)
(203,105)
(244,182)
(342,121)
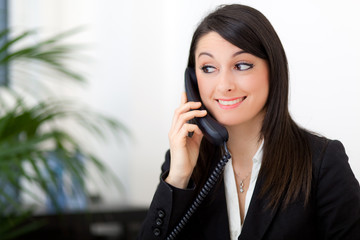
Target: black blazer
(333,211)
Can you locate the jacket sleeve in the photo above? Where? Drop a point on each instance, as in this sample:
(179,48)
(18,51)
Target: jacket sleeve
(338,196)
(168,206)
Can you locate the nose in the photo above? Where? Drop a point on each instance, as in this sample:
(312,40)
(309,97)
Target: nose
(226,81)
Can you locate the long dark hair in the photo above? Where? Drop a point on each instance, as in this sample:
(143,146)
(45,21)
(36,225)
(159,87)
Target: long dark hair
(286,167)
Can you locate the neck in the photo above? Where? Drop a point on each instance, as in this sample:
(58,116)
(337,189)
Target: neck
(244,141)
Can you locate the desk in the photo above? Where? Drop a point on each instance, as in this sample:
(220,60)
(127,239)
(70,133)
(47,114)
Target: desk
(120,223)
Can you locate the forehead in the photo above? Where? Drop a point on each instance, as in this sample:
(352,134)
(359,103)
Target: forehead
(213,42)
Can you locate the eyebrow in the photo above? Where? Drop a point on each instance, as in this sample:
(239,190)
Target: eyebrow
(210,55)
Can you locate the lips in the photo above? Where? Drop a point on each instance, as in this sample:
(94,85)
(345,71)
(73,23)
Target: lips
(230,103)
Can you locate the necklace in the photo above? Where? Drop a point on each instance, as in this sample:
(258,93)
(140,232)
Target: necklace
(241,185)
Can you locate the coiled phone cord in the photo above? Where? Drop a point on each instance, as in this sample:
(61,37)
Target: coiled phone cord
(210,183)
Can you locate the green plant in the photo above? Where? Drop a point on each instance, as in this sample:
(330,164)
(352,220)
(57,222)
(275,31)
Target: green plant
(50,52)
(29,132)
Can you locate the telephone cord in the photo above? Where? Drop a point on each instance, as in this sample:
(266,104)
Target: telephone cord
(210,183)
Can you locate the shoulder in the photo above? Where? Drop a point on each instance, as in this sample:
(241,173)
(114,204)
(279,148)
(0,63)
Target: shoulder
(330,165)
(322,148)
(328,157)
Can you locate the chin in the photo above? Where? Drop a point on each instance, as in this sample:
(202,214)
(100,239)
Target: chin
(230,122)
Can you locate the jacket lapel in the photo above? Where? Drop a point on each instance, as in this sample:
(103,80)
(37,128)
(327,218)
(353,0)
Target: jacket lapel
(258,217)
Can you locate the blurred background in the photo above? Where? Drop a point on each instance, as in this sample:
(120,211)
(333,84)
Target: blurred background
(131,57)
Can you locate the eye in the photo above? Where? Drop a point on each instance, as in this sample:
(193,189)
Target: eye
(208,69)
(243,66)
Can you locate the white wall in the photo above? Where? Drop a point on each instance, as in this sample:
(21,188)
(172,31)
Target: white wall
(139,51)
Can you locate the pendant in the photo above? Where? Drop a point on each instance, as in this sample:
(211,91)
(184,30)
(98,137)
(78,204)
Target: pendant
(241,186)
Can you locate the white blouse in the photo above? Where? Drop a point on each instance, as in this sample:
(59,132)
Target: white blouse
(231,195)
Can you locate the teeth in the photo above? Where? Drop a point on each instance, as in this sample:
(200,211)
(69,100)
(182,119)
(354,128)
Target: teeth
(228,103)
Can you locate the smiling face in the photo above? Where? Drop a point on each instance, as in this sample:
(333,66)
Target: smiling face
(233,84)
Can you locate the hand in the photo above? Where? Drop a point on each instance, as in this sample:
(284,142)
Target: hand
(184,150)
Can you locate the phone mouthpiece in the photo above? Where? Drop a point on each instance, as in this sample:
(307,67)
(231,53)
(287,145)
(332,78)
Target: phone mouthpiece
(213,131)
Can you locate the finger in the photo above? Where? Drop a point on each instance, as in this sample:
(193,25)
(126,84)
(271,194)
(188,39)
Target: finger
(187,107)
(182,133)
(184,100)
(189,128)
(184,108)
(185,117)
(178,111)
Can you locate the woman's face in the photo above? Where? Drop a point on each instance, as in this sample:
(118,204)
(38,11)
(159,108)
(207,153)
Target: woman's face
(233,84)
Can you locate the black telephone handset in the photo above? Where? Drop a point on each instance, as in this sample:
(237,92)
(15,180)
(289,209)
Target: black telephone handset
(212,130)
(214,133)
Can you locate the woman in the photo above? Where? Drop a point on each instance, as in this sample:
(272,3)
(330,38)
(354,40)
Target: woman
(282,182)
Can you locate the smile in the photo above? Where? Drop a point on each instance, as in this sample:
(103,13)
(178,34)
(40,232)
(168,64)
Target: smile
(231,103)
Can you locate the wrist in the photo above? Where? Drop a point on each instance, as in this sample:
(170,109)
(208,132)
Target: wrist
(178,181)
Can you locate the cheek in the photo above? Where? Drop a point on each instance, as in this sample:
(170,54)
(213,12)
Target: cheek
(205,88)
(258,86)
(261,87)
